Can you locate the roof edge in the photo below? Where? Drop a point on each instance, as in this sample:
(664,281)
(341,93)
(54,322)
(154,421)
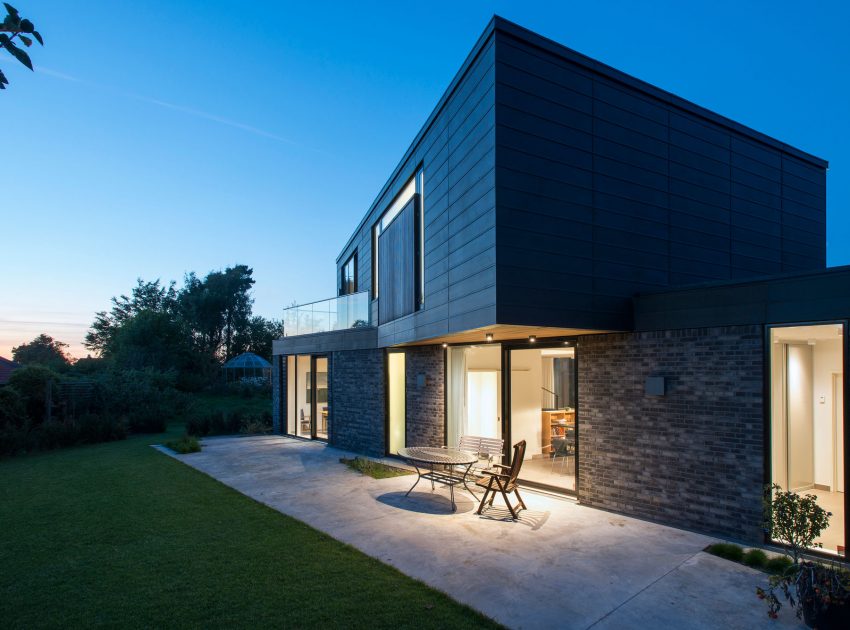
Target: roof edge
(550,45)
(480,43)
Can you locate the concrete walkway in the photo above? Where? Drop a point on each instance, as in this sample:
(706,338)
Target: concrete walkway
(562,565)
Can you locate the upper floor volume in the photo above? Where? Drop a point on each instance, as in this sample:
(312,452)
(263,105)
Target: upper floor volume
(546,189)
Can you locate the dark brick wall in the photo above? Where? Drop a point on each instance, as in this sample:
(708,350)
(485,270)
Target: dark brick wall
(691,458)
(357,401)
(425,385)
(278,392)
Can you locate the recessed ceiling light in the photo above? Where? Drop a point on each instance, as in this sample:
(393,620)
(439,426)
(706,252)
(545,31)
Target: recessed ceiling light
(489,337)
(532,339)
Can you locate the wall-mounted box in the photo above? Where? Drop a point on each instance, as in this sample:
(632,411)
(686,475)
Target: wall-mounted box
(655,386)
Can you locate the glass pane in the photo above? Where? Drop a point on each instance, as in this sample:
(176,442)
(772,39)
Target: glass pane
(543,414)
(322,398)
(304,396)
(807,419)
(474,392)
(290,395)
(395,363)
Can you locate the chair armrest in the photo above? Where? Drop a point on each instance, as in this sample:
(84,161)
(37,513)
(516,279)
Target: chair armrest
(502,466)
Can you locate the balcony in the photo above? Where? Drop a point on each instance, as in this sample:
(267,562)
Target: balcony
(339,313)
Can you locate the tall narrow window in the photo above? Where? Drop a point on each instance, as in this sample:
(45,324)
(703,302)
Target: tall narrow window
(348,276)
(807,419)
(398,253)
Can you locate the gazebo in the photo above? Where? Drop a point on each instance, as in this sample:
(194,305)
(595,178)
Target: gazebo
(246,365)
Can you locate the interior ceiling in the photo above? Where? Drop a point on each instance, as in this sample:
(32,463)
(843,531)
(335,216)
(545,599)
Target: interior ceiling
(820,332)
(504,332)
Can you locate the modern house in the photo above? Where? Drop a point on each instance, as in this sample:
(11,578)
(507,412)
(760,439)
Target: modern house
(631,283)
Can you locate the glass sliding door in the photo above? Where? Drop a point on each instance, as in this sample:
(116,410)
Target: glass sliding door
(543,413)
(290,395)
(321,412)
(307,396)
(396,403)
(303,396)
(807,419)
(474,392)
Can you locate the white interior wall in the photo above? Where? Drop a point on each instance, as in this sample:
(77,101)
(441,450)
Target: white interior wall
(827,361)
(777,401)
(526,412)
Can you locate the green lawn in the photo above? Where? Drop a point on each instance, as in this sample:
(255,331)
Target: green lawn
(121,535)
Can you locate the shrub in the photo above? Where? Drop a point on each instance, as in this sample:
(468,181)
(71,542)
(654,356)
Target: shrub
(145,399)
(215,423)
(37,387)
(794,520)
(727,550)
(185,444)
(260,424)
(778,565)
(755,558)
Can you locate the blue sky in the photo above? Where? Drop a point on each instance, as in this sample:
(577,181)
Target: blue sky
(163,137)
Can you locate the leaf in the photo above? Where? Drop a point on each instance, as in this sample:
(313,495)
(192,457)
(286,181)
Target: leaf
(19,54)
(12,10)
(27,26)
(37,35)
(3,81)
(26,40)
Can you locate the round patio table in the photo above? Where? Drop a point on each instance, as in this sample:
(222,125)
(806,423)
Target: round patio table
(437,464)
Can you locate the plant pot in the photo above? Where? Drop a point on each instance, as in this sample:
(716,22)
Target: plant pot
(835,617)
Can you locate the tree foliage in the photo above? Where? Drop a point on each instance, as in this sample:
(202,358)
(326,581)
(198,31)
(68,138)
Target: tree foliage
(145,296)
(218,308)
(15,27)
(190,330)
(43,350)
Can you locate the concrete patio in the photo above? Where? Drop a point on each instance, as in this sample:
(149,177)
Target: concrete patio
(561,565)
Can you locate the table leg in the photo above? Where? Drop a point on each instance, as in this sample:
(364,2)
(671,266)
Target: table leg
(452,495)
(418,477)
(468,489)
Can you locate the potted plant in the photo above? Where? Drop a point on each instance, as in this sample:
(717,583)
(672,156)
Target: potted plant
(820,593)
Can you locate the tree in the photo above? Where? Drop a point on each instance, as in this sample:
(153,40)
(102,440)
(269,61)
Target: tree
(145,296)
(217,308)
(37,385)
(257,336)
(43,350)
(151,339)
(15,27)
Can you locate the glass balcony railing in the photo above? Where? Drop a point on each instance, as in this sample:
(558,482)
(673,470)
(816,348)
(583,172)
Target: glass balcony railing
(339,313)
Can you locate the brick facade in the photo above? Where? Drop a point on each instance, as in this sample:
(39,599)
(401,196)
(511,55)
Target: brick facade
(357,400)
(425,384)
(691,458)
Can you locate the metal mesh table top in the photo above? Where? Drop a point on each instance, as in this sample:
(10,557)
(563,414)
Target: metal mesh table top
(433,455)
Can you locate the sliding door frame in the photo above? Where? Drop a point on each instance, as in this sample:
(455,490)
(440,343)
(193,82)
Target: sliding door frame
(767,397)
(505,383)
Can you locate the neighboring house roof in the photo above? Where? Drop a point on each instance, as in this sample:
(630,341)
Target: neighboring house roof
(247,360)
(6,369)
